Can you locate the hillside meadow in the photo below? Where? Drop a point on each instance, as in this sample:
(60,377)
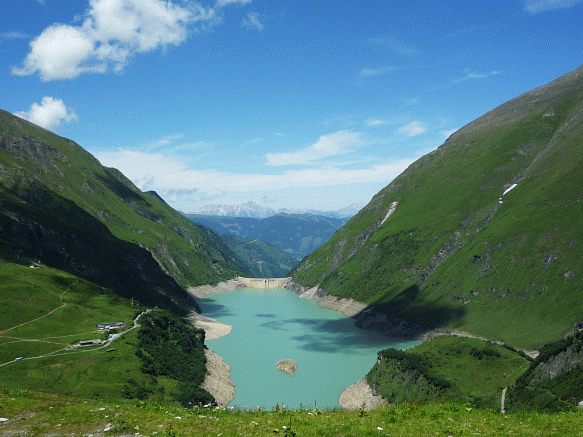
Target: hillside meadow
(34,413)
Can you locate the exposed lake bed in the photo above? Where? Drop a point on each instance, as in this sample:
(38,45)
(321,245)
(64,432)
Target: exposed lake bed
(331,353)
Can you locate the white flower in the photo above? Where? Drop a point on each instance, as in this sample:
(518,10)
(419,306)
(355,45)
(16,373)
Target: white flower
(379,428)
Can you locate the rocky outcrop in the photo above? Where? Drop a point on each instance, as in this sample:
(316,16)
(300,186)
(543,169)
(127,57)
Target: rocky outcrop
(360,396)
(287,365)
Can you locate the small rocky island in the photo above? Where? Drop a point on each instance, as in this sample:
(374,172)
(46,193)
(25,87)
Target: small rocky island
(287,366)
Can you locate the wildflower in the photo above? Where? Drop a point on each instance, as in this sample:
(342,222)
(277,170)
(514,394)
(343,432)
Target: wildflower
(379,428)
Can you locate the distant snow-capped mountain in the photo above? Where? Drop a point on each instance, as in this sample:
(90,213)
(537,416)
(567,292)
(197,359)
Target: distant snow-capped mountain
(249,209)
(253,210)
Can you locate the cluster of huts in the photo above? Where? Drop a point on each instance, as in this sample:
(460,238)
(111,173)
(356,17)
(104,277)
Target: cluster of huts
(104,327)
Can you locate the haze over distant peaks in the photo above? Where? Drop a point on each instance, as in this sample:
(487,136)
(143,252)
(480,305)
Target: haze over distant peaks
(253,210)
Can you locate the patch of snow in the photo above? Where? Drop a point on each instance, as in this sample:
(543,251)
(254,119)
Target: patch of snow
(508,189)
(391,210)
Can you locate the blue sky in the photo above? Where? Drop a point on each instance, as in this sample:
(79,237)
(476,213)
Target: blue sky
(290,104)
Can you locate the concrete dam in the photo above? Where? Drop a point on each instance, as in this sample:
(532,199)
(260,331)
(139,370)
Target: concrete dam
(265,283)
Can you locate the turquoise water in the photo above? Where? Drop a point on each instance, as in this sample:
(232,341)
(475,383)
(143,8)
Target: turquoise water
(270,325)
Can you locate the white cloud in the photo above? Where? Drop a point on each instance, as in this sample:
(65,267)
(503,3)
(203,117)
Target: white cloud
(221,3)
(412,129)
(49,114)
(170,172)
(111,31)
(367,72)
(175,194)
(211,195)
(395,46)
(372,122)
(253,21)
(145,182)
(14,35)
(168,139)
(328,145)
(536,6)
(253,141)
(474,75)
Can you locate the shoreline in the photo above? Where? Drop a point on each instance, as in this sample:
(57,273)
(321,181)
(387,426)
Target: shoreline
(358,395)
(218,380)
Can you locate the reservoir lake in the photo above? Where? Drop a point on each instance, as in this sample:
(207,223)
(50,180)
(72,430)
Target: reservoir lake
(275,324)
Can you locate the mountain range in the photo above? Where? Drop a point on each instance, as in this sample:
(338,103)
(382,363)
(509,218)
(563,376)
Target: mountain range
(295,234)
(483,234)
(253,210)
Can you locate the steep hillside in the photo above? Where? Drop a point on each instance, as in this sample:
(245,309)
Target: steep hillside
(59,207)
(261,259)
(296,234)
(483,234)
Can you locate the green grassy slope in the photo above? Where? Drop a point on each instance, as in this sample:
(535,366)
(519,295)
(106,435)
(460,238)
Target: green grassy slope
(451,255)
(31,413)
(81,245)
(455,368)
(59,206)
(45,313)
(262,260)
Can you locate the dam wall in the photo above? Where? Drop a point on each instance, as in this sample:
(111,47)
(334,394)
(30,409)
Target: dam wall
(264,282)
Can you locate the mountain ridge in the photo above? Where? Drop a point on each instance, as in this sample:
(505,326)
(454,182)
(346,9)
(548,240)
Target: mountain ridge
(446,244)
(253,210)
(60,207)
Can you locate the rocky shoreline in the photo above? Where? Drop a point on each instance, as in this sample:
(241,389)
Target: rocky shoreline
(218,380)
(360,395)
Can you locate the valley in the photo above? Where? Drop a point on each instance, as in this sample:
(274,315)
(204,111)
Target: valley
(465,261)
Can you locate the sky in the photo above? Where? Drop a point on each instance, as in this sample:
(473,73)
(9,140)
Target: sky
(301,105)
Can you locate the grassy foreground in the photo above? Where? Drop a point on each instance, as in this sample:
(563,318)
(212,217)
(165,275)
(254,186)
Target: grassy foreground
(37,414)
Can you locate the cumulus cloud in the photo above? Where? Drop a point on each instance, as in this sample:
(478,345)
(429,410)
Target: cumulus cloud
(536,6)
(111,31)
(253,21)
(328,145)
(412,129)
(49,114)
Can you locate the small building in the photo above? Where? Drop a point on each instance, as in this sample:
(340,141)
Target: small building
(110,326)
(89,343)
